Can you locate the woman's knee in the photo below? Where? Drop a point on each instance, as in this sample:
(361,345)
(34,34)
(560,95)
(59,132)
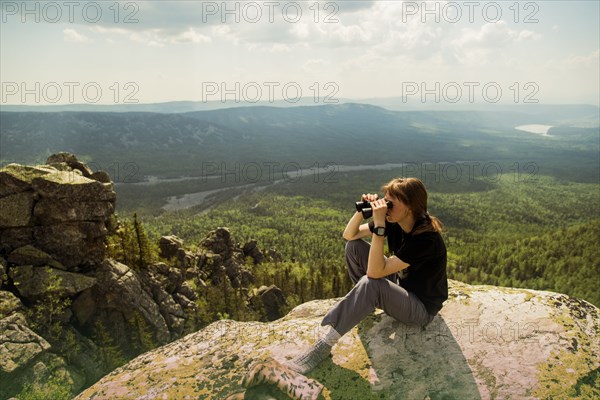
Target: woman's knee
(370,287)
(353,246)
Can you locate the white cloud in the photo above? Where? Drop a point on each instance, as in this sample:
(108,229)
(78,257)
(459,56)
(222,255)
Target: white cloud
(592,59)
(492,36)
(71,35)
(315,65)
(191,36)
(155,37)
(527,35)
(280,48)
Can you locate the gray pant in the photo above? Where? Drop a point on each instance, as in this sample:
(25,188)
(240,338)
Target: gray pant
(369,293)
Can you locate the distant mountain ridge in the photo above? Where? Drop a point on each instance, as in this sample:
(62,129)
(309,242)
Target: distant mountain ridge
(178,143)
(391,103)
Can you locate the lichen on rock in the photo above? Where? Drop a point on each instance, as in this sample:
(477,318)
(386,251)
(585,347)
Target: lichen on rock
(496,346)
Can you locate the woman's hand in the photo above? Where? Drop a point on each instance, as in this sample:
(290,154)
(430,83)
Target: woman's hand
(369,197)
(380,209)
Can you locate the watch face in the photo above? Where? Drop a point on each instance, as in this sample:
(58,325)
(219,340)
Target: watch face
(380,231)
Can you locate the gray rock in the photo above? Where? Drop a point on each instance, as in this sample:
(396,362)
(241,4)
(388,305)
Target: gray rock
(9,304)
(273,301)
(72,185)
(16,210)
(101,176)
(73,243)
(52,211)
(84,307)
(11,238)
(163,283)
(56,209)
(487,342)
(15,178)
(36,282)
(38,372)
(70,161)
(19,345)
(219,242)
(29,255)
(117,299)
(251,249)
(187,291)
(169,246)
(222,259)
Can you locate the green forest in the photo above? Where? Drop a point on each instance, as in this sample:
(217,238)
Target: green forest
(535,232)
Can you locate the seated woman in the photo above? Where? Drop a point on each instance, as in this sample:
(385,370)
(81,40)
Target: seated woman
(410,285)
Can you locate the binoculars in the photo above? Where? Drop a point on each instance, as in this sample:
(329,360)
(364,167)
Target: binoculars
(365,208)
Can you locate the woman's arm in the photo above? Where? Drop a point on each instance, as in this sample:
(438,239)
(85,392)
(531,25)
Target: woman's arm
(379,266)
(355,230)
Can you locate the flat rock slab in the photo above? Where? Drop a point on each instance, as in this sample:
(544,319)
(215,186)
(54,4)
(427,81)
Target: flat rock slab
(488,342)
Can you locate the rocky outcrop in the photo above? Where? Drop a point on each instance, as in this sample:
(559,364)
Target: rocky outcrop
(156,297)
(57,290)
(34,282)
(18,343)
(170,246)
(53,223)
(251,250)
(222,259)
(65,307)
(61,209)
(487,342)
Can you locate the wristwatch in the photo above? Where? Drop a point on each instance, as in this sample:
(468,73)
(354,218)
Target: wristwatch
(379,230)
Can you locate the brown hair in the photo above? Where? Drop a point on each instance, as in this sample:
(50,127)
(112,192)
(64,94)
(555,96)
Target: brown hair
(412,192)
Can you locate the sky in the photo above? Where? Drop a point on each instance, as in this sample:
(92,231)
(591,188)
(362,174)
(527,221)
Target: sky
(117,52)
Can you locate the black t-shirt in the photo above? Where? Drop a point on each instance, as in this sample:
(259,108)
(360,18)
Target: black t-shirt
(426,253)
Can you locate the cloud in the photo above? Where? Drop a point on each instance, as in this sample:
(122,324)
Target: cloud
(155,37)
(488,44)
(71,35)
(190,36)
(492,36)
(592,59)
(315,65)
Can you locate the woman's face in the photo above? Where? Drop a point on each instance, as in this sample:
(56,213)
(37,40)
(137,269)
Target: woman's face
(399,211)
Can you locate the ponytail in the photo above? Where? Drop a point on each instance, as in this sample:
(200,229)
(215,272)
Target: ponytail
(432,224)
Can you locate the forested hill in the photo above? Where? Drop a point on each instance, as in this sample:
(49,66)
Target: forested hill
(177,144)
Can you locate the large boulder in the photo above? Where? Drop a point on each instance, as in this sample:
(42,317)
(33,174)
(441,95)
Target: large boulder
(271,299)
(167,287)
(487,342)
(219,242)
(29,255)
(118,301)
(170,246)
(62,209)
(19,345)
(220,258)
(251,250)
(68,162)
(39,282)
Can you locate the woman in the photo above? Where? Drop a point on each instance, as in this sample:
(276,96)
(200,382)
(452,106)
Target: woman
(415,284)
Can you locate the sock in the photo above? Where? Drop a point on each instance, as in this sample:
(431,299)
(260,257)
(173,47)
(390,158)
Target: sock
(331,337)
(306,362)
